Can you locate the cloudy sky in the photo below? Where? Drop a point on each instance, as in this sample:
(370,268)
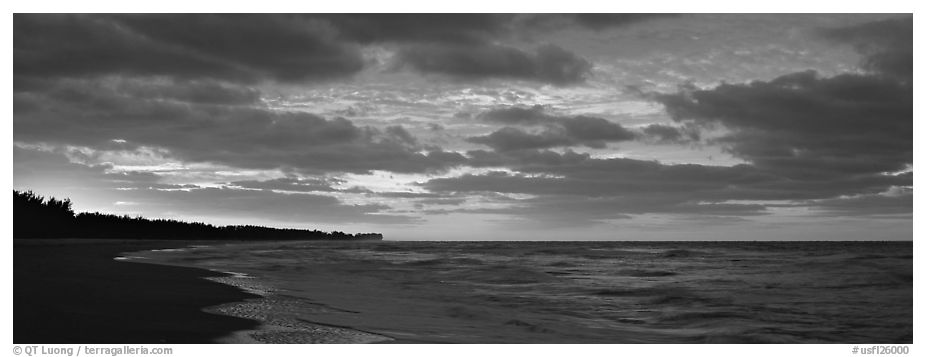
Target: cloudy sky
(484,126)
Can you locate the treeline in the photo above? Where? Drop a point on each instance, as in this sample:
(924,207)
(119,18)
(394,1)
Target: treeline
(37,217)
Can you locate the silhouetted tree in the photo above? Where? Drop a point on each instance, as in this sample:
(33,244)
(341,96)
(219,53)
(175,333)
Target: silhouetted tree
(36,217)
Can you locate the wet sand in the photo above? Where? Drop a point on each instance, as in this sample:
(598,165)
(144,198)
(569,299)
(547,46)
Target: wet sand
(72,291)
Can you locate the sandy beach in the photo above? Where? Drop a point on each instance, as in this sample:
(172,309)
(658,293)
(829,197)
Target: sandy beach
(72,291)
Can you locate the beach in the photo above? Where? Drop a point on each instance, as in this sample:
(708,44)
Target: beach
(73,291)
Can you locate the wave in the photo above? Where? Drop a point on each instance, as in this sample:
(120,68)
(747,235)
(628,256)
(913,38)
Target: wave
(681,253)
(528,326)
(500,275)
(702,316)
(640,273)
(563,264)
(732,292)
(445,261)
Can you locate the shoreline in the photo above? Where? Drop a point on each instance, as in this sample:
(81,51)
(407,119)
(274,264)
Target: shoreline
(74,291)
(268,307)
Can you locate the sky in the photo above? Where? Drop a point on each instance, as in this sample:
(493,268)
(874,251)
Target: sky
(476,126)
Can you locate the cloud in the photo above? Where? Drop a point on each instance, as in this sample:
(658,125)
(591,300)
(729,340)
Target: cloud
(400,134)
(466,28)
(443,201)
(93,92)
(803,125)
(535,160)
(835,143)
(887,45)
(235,47)
(549,63)
(38,167)
(189,87)
(586,176)
(894,201)
(593,21)
(193,91)
(534,115)
(671,134)
(577,201)
(556,131)
(590,129)
(292,184)
(242,136)
(468,46)
(599,21)
(443,28)
(99,187)
(250,48)
(508,138)
(263,204)
(570,182)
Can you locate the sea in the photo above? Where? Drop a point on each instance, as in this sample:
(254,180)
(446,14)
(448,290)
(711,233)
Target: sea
(562,292)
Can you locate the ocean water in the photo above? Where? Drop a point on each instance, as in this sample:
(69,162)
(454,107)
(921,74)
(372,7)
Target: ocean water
(564,292)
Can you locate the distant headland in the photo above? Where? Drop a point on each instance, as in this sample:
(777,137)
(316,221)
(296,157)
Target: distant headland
(34,216)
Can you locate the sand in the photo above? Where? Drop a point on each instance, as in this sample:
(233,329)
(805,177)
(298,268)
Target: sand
(73,291)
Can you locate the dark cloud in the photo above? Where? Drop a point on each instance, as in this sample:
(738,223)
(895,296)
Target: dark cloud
(443,28)
(887,45)
(599,21)
(573,201)
(207,92)
(285,47)
(534,115)
(590,129)
(237,136)
(896,201)
(593,21)
(185,87)
(556,131)
(238,47)
(549,63)
(295,47)
(609,188)
(838,143)
(803,125)
(508,138)
(558,66)
(580,211)
(467,28)
(197,92)
(400,134)
(466,45)
(606,177)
